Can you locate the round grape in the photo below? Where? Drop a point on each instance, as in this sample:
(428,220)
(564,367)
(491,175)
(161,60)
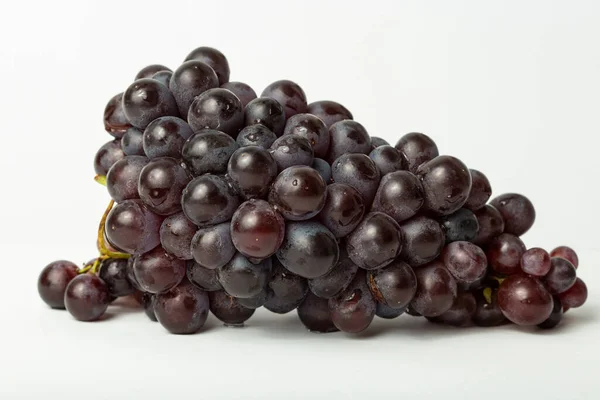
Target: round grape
(182,310)
(387,159)
(161,184)
(53,281)
(267,112)
(150,70)
(122,178)
(115,120)
(107,156)
(347,136)
(375,242)
(423,240)
(188,81)
(417,149)
(329,112)
(241,278)
(176,234)
(567,253)
(343,210)
(377,141)
(488,313)
(147,99)
(244,92)
(252,169)
(165,137)
(298,193)
(203,278)
(208,152)
(208,200)
(555,316)
(289,95)
(86,297)
(290,150)
(354,308)
(255,302)
(504,254)
(481,190)
(561,276)
(394,286)
(436,290)
(575,296)
(536,261)
(312,128)
(461,312)
(286,290)
(212,246)
(491,225)
(163,77)
(524,300)
(314,314)
(323,168)
(132,142)
(214,58)
(148,301)
(337,279)
(132,227)
(114,274)
(387,312)
(460,226)
(228,309)
(517,211)
(465,261)
(256,135)
(399,195)
(217,109)
(157,271)
(358,171)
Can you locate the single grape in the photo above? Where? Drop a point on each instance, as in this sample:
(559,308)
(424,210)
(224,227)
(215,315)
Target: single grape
(256,135)
(244,92)
(436,290)
(555,316)
(337,279)
(252,169)
(214,58)
(524,300)
(182,310)
(163,77)
(122,178)
(298,193)
(561,276)
(314,314)
(148,301)
(461,225)
(308,249)
(212,246)
(53,281)
(399,195)
(481,190)
(312,128)
(147,99)
(132,142)
(132,227)
(491,225)
(375,242)
(217,109)
(517,211)
(286,290)
(323,168)
(161,184)
(388,159)
(208,152)
(150,70)
(189,80)
(208,200)
(157,271)
(343,210)
(241,278)
(377,141)
(354,308)
(107,156)
(228,309)
(257,229)
(394,286)
(114,274)
(417,149)
(329,112)
(203,278)
(291,150)
(567,253)
(387,312)
(358,171)
(488,313)
(347,136)
(504,254)
(256,301)
(267,112)
(465,261)
(115,120)
(536,261)
(461,312)
(131,274)
(176,234)
(423,240)
(86,297)
(575,296)
(165,137)
(289,95)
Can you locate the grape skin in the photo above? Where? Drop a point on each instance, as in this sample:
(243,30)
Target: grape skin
(183,310)
(291,150)
(122,178)
(215,59)
(107,156)
(244,92)
(163,77)
(228,309)
(147,99)
(536,261)
(387,312)
(575,296)
(377,141)
(417,149)
(252,169)
(347,136)
(436,290)
(394,286)
(524,300)
(132,142)
(286,290)
(517,212)
(312,128)
(491,224)
(161,184)
(212,246)
(256,135)
(188,81)
(337,279)
(358,171)
(208,152)
(460,226)
(241,278)
(165,137)
(399,195)
(481,190)
(555,316)
(150,71)
(132,227)
(343,210)
(567,253)
(461,312)
(423,240)
(298,193)
(157,271)
(314,314)
(488,314)
(257,229)
(265,111)
(114,274)
(504,254)
(115,120)
(354,308)
(203,278)
(148,301)
(388,159)
(217,109)
(176,233)
(329,112)
(256,301)
(375,242)
(208,200)
(86,297)
(561,276)
(289,95)
(53,281)
(323,168)
(465,261)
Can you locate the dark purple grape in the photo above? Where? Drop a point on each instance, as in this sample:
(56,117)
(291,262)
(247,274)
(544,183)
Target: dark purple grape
(524,300)
(252,169)
(323,168)
(536,261)
(377,141)
(337,279)
(289,95)
(411,311)
(436,290)
(347,136)
(161,184)
(217,109)
(460,226)
(132,142)
(358,171)
(148,301)
(446,184)
(241,278)
(465,261)
(165,137)
(387,312)
(53,281)
(147,99)
(314,314)
(399,195)
(561,277)
(308,249)
(423,240)
(417,149)
(461,312)
(387,159)
(488,313)
(189,80)
(131,274)
(244,92)
(291,150)
(157,271)
(256,301)
(114,274)
(312,128)
(163,77)
(504,254)
(354,308)
(214,58)
(115,120)
(106,156)
(257,229)
(122,178)
(575,296)
(212,246)
(375,242)
(517,211)
(86,297)
(176,234)
(481,190)
(491,225)
(298,193)
(267,112)
(555,316)
(208,200)
(183,310)
(286,290)
(394,286)
(343,210)
(208,152)
(150,70)
(228,309)
(203,278)
(256,135)
(567,253)
(132,227)
(329,112)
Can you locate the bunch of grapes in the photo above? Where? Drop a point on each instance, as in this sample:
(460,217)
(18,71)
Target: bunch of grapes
(223,201)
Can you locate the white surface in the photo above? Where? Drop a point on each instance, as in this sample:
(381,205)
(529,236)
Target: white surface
(509,87)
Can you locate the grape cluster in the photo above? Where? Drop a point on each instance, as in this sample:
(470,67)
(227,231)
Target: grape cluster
(224,201)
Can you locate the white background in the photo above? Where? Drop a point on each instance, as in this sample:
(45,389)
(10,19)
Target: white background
(512,88)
